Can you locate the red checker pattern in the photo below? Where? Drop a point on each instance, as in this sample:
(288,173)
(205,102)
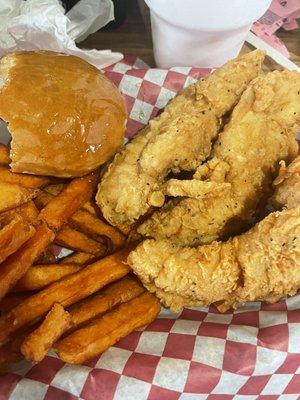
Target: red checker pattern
(8,382)
(290,364)
(198,73)
(148,92)
(180,346)
(174,81)
(137,73)
(254,385)
(100,381)
(141,366)
(212,329)
(46,370)
(239,358)
(129,342)
(274,337)
(293,316)
(157,392)
(193,315)
(279,306)
(293,386)
(160,325)
(250,318)
(202,378)
(54,393)
(116,77)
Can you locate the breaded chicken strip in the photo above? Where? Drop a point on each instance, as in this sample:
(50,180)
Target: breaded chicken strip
(178,139)
(262,264)
(260,133)
(287,185)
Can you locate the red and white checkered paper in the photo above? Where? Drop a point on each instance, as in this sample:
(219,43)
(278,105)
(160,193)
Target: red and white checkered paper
(251,353)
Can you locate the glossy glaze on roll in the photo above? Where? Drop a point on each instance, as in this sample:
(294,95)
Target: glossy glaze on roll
(65,117)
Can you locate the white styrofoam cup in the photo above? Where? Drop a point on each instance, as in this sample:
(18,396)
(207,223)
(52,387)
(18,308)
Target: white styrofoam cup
(199,32)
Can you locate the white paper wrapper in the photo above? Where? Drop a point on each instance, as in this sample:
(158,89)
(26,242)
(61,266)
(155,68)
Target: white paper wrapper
(43,25)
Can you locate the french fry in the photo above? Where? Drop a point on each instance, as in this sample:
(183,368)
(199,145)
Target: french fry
(12,195)
(66,291)
(78,258)
(91,225)
(27,211)
(68,236)
(4,155)
(27,181)
(86,222)
(17,264)
(76,240)
(39,276)
(37,344)
(13,235)
(119,292)
(51,191)
(91,207)
(105,331)
(12,300)
(72,197)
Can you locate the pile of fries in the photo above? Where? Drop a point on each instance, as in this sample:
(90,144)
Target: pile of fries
(79,305)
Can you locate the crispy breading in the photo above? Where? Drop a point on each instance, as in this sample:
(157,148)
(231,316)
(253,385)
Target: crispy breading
(260,133)
(287,185)
(262,264)
(178,139)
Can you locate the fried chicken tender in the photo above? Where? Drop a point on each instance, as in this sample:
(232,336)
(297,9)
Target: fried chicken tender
(178,139)
(287,185)
(260,133)
(262,264)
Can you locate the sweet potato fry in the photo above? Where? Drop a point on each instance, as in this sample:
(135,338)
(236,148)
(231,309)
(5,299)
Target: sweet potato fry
(51,191)
(119,292)
(91,225)
(13,235)
(86,222)
(12,195)
(91,207)
(76,240)
(72,197)
(12,300)
(106,330)
(37,344)
(66,291)
(78,258)
(39,276)
(4,155)
(17,264)
(24,180)
(27,211)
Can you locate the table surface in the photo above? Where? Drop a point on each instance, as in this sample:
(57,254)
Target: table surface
(133,38)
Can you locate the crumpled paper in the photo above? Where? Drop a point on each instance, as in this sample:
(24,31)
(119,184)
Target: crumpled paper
(43,25)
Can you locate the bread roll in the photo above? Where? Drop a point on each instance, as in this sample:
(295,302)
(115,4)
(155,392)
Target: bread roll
(65,117)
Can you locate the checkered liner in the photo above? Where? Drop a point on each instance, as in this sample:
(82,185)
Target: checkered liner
(251,353)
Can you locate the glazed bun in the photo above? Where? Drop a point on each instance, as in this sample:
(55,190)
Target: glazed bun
(64,116)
